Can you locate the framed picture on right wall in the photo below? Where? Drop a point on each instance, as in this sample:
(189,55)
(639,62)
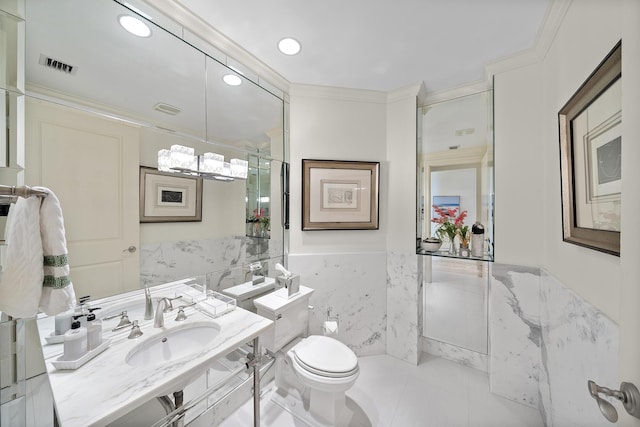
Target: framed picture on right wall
(591,158)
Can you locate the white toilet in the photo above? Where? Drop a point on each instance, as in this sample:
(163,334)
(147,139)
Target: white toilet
(314,371)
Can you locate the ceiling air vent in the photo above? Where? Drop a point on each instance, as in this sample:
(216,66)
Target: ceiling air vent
(166,108)
(56,64)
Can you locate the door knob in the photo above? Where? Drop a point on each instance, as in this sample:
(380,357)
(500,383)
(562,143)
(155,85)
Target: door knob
(628,395)
(131,249)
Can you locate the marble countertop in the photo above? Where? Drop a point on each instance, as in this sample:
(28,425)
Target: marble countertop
(106,387)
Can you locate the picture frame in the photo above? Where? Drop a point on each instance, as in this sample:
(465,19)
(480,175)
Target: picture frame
(167,197)
(340,195)
(590,159)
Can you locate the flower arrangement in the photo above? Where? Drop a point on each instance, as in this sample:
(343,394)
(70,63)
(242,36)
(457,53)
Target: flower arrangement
(260,223)
(257,216)
(451,223)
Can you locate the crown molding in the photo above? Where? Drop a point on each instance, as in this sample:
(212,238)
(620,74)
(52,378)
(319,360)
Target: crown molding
(224,44)
(457,92)
(403,93)
(552,22)
(338,93)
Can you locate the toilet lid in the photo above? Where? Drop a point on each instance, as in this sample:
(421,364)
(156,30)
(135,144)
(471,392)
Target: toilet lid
(325,354)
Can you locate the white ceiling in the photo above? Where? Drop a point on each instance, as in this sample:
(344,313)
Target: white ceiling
(376,44)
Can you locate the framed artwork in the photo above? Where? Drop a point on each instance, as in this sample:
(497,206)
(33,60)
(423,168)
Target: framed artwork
(443,202)
(590,159)
(165,197)
(340,195)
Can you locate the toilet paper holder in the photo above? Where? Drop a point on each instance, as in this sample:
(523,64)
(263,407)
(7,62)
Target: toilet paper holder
(331,324)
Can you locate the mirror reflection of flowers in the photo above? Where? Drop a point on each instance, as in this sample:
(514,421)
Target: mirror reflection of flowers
(261,218)
(450,222)
(257,215)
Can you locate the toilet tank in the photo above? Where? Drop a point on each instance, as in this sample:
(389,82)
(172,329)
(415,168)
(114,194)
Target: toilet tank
(290,316)
(246,293)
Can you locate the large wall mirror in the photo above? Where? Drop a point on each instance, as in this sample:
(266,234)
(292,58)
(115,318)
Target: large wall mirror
(455,166)
(455,171)
(87,107)
(101,102)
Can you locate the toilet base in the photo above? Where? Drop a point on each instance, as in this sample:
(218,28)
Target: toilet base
(298,405)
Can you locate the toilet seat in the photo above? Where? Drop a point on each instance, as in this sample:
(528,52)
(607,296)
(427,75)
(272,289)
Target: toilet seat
(325,356)
(340,369)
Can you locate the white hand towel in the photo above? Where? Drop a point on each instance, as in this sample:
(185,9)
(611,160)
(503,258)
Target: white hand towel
(21,283)
(57,290)
(37,271)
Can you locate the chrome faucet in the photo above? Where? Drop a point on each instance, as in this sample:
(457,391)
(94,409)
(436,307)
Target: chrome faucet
(253,274)
(163,303)
(148,305)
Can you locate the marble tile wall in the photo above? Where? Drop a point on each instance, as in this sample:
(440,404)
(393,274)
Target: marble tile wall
(404,306)
(465,357)
(546,342)
(353,286)
(168,261)
(579,343)
(514,333)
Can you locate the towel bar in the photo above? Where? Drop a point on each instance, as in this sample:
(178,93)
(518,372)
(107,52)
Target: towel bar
(9,193)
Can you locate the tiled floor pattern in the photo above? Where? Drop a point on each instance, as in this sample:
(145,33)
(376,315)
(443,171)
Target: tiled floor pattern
(392,393)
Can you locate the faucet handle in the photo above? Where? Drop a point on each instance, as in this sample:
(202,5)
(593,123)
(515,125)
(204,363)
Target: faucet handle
(124,320)
(169,307)
(135,330)
(181,314)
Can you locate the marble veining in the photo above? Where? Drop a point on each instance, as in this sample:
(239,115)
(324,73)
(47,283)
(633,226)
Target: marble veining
(469,358)
(546,342)
(168,261)
(579,343)
(404,311)
(112,388)
(515,333)
(352,286)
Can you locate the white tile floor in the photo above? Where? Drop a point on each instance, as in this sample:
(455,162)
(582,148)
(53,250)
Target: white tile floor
(393,393)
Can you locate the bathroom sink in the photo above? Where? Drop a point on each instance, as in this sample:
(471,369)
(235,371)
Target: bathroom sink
(174,344)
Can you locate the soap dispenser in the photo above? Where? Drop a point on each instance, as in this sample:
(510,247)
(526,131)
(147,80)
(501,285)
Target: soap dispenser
(94,332)
(63,322)
(75,341)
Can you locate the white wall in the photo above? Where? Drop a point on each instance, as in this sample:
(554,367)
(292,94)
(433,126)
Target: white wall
(336,124)
(629,368)
(527,102)
(528,203)
(223,203)
(347,269)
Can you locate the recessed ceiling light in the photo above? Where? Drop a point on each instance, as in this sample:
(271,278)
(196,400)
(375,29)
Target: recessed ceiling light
(134,25)
(289,46)
(232,80)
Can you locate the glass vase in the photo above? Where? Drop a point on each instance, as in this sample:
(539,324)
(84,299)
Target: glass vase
(452,245)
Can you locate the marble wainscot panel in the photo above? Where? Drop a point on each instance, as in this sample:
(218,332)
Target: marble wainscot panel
(514,328)
(168,261)
(579,343)
(352,285)
(457,354)
(404,306)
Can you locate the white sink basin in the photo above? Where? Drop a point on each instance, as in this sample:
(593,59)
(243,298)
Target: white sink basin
(173,344)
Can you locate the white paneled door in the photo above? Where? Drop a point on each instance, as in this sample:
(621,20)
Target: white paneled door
(91,163)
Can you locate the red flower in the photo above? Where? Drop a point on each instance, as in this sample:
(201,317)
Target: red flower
(450,221)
